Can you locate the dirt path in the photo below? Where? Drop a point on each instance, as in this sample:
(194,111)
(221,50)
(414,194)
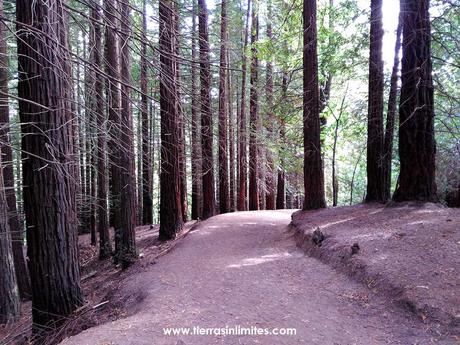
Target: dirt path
(243,269)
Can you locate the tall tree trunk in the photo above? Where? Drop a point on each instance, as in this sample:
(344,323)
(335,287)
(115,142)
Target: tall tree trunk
(206,114)
(9,294)
(195,135)
(254,113)
(281,186)
(127,165)
(88,102)
(80,150)
(391,114)
(224,197)
(147,175)
(48,160)
(182,149)
(102,225)
(417,146)
(231,138)
(335,182)
(375,167)
(91,111)
(113,103)
(170,194)
(15,227)
(313,167)
(242,151)
(270,175)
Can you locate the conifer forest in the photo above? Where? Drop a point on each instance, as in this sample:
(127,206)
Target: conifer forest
(229,172)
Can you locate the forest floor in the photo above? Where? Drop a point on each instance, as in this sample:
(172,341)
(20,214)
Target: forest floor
(101,283)
(244,270)
(408,253)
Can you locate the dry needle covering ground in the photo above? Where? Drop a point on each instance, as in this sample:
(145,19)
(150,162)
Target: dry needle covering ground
(101,281)
(410,253)
(244,269)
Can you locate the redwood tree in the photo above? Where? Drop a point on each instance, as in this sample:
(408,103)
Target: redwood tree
(112,70)
(254,114)
(17,231)
(48,160)
(417,146)
(170,194)
(280,188)
(224,197)
(206,114)
(127,170)
(231,137)
(9,295)
(242,137)
(195,135)
(270,174)
(375,166)
(105,247)
(313,167)
(147,176)
(391,114)
(180,116)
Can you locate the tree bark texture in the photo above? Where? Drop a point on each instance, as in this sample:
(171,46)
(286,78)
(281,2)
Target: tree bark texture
(49,170)
(102,225)
(195,135)
(224,187)
(271,172)
(9,293)
(375,166)
(170,194)
(313,167)
(206,115)
(16,229)
(391,114)
(114,129)
(242,150)
(417,146)
(147,174)
(254,114)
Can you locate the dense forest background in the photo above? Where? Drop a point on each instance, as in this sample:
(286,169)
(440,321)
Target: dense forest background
(166,111)
(343,44)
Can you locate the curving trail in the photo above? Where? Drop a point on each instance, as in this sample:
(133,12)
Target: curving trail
(243,269)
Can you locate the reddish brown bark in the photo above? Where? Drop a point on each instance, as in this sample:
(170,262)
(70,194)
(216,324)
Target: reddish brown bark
(102,225)
(254,114)
(231,141)
(16,230)
(9,295)
(375,166)
(270,177)
(170,195)
(128,252)
(313,167)
(91,113)
(113,103)
(417,146)
(147,175)
(195,135)
(224,197)
(391,114)
(281,188)
(48,160)
(181,119)
(242,150)
(206,114)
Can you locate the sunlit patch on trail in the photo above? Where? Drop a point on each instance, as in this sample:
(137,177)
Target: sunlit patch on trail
(260,260)
(337,222)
